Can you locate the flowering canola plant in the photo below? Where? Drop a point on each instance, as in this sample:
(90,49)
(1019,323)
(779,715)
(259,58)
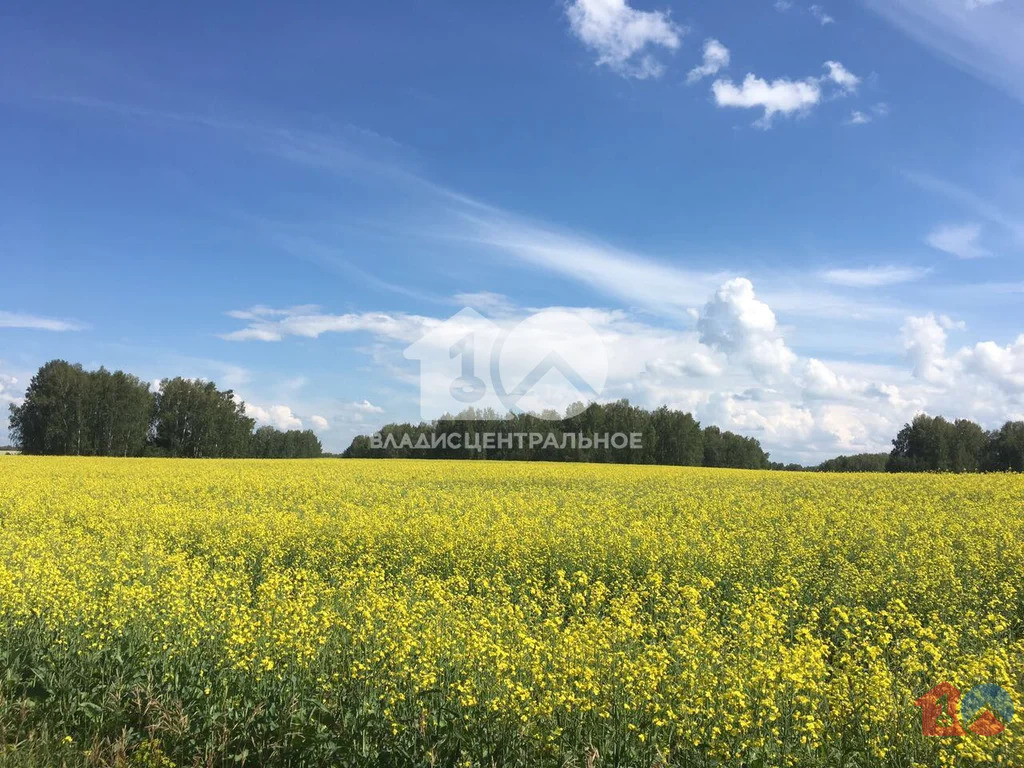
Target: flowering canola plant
(178,613)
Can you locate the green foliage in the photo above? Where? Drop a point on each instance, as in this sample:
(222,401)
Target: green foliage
(196,420)
(861,462)
(270,443)
(725,449)
(1007,448)
(69,411)
(667,437)
(933,444)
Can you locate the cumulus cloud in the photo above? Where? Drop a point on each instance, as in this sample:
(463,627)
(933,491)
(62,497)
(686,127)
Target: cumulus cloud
(279,416)
(782,95)
(778,96)
(716,57)
(319,422)
(733,367)
(958,240)
(1004,366)
(984,377)
(873,277)
(736,322)
(9,391)
(924,339)
(622,36)
(821,382)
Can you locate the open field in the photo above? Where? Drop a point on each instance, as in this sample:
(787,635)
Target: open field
(161,612)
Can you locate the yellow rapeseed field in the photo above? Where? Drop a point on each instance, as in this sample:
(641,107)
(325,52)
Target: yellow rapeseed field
(401,613)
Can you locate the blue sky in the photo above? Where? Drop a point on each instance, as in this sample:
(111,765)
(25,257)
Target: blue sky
(802,222)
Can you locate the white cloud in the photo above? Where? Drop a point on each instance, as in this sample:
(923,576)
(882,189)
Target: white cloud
(1002,365)
(736,322)
(873,277)
(982,38)
(782,95)
(819,13)
(783,5)
(841,76)
(779,96)
(668,289)
(260,311)
(972,4)
(319,422)
(924,339)
(982,375)
(9,391)
(365,406)
(308,321)
(716,57)
(958,240)
(486,302)
(35,322)
(279,416)
(737,370)
(622,36)
(860,117)
(982,208)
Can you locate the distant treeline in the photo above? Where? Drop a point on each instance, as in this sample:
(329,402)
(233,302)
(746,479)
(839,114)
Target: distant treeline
(932,444)
(861,462)
(928,444)
(667,437)
(68,411)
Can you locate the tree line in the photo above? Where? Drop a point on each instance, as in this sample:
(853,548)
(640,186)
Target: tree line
(927,444)
(934,444)
(666,436)
(69,411)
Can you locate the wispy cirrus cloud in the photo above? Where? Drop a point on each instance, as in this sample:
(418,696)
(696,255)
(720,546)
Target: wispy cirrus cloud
(863,117)
(873,277)
(979,206)
(38,322)
(819,14)
(668,287)
(960,240)
(716,58)
(274,324)
(981,37)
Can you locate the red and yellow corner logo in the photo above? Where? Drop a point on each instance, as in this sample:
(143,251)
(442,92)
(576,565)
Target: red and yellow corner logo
(986,709)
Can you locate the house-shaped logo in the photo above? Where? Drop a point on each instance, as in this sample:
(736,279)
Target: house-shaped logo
(986,709)
(474,367)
